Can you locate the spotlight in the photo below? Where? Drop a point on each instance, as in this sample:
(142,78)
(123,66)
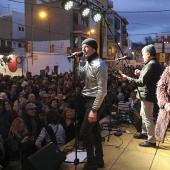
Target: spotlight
(96,17)
(85,10)
(67,4)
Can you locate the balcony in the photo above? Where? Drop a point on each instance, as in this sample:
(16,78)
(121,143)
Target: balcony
(80,29)
(125,33)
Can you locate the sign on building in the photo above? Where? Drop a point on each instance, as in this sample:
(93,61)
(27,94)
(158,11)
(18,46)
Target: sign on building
(162,57)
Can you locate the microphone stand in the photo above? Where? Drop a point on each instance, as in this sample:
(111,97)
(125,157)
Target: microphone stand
(132,73)
(76,160)
(112,125)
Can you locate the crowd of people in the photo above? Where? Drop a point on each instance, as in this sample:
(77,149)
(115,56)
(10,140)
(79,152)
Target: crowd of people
(36,110)
(29,104)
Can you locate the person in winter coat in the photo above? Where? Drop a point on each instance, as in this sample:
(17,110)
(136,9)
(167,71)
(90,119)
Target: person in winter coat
(163,97)
(19,142)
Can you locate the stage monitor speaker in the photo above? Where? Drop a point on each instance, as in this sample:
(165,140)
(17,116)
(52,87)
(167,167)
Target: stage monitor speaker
(137,121)
(48,158)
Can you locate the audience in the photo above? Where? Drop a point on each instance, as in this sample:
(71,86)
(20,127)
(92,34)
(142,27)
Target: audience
(49,101)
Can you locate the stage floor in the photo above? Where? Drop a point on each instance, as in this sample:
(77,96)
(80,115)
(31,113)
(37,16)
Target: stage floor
(123,153)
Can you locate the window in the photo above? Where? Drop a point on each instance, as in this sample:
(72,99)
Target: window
(117,23)
(2,43)
(21,28)
(84,21)
(110,51)
(117,37)
(19,45)
(75,18)
(9,44)
(75,39)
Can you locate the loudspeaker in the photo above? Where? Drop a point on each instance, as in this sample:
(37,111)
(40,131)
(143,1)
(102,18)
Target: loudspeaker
(137,121)
(48,158)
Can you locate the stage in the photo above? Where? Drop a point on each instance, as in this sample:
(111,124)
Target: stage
(123,152)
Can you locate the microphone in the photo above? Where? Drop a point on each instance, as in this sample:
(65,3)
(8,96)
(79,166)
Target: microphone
(123,58)
(79,54)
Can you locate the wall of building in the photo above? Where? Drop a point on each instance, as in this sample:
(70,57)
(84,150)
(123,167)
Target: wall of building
(42,58)
(41,61)
(6,26)
(56,26)
(159,47)
(18,26)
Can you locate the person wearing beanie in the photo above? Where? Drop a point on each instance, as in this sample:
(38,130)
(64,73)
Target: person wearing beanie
(94,91)
(146,83)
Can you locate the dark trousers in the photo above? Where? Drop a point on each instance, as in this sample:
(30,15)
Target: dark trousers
(90,133)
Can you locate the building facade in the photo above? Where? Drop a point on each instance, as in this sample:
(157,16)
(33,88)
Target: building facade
(12,30)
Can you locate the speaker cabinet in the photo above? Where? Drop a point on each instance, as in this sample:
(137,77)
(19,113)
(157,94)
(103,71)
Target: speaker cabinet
(48,158)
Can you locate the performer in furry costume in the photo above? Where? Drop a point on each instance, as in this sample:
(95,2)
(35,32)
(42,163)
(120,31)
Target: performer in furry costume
(163,97)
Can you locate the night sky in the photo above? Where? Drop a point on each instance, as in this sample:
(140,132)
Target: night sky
(145,22)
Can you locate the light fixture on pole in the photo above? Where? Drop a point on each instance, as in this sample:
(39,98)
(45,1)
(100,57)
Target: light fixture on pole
(67,4)
(43,15)
(96,16)
(85,11)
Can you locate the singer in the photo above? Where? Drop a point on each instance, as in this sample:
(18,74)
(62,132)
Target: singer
(146,83)
(94,91)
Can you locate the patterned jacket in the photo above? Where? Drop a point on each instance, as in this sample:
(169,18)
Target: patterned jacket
(163,97)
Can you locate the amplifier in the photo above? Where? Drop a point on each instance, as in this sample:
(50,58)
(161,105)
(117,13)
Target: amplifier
(124,106)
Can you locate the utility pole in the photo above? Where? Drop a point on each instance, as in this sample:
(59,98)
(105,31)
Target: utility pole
(32,33)
(101,38)
(163,45)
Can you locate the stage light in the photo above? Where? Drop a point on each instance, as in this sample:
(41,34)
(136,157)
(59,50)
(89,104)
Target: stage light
(96,17)
(85,10)
(67,4)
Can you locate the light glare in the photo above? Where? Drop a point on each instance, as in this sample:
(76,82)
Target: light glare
(68,5)
(97,17)
(85,11)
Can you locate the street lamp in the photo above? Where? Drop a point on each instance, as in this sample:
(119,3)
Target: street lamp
(91,32)
(43,15)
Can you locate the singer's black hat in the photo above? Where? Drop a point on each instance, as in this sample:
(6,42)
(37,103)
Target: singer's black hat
(91,42)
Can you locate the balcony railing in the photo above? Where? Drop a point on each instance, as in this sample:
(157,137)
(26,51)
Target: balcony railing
(80,28)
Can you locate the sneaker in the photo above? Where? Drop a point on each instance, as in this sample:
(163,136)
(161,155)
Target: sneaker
(147,144)
(140,136)
(90,167)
